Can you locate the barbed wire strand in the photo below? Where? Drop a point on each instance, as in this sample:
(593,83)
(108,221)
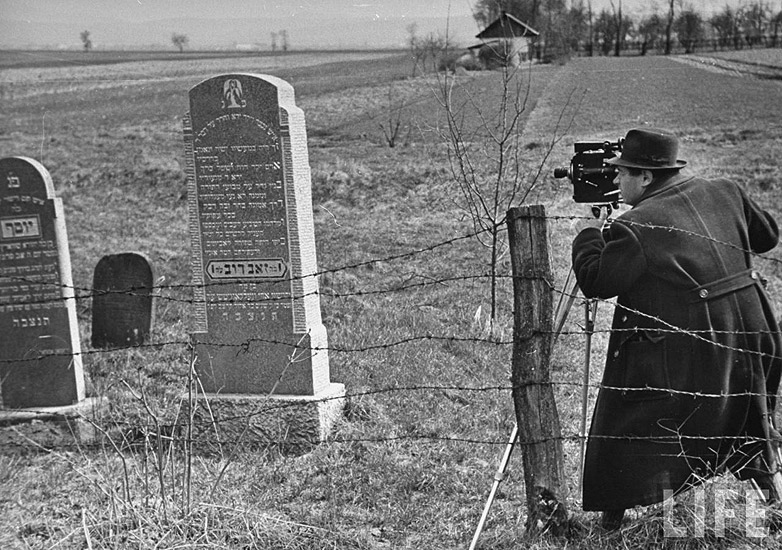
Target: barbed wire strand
(86,293)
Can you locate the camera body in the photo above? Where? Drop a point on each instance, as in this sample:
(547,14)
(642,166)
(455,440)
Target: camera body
(592,178)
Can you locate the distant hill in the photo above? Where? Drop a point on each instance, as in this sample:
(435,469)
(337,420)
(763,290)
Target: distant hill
(110,33)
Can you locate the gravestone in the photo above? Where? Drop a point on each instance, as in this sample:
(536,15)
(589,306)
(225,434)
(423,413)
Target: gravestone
(122,287)
(258,329)
(40,353)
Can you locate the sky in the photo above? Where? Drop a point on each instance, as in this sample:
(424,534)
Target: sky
(135,10)
(226,23)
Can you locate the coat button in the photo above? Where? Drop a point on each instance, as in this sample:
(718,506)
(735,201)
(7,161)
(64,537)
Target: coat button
(703,293)
(616,353)
(624,318)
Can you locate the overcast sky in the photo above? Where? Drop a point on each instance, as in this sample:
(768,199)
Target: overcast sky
(137,10)
(309,22)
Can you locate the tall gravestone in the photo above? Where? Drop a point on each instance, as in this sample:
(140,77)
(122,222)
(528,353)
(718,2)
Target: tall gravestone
(122,300)
(258,330)
(40,354)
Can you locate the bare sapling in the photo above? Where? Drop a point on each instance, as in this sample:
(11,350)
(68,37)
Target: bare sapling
(154,440)
(485,155)
(392,125)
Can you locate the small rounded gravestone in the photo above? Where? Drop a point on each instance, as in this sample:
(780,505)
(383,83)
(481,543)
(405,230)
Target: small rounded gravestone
(122,300)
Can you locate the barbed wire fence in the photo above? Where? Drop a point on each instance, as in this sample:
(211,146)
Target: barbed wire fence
(175,432)
(154,437)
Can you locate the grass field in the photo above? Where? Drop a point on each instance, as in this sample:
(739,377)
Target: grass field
(429,410)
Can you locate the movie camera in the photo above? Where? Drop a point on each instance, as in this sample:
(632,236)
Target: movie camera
(591,176)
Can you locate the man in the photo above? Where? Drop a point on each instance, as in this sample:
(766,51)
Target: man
(693,362)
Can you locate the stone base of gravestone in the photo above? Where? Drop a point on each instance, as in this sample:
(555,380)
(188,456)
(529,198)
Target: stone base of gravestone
(37,429)
(292,423)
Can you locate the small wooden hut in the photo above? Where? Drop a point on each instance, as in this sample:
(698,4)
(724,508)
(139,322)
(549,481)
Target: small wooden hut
(507,40)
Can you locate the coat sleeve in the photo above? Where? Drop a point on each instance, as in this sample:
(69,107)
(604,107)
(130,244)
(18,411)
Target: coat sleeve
(607,266)
(763,230)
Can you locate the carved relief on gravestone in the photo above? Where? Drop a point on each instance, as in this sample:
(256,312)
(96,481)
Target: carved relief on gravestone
(258,323)
(122,300)
(40,354)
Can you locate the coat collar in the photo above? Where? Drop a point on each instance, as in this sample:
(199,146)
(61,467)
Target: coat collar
(661,186)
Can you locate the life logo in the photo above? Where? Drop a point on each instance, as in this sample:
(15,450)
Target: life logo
(233,95)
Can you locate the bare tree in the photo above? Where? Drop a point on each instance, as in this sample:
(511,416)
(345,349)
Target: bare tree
(738,23)
(604,31)
(724,25)
(284,40)
(418,49)
(86,41)
(553,22)
(436,45)
(619,27)
(689,29)
(650,29)
(180,41)
(591,46)
(412,44)
(756,19)
(485,154)
(575,27)
(431,47)
(669,27)
(393,124)
(776,26)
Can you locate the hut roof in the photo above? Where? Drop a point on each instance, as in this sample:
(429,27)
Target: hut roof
(507,26)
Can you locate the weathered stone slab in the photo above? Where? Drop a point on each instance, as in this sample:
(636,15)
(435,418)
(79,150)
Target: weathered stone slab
(122,300)
(44,428)
(258,326)
(293,424)
(40,351)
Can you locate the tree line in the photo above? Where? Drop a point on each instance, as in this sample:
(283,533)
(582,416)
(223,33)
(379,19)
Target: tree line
(574,27)
(180,41)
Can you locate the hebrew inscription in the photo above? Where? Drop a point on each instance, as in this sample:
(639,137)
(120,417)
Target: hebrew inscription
(40,362)
(256,302)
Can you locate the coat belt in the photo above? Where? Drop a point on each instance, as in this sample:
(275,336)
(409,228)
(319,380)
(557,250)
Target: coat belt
(726,285)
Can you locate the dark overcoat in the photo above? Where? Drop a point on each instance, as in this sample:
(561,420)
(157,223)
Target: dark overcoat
(693,361)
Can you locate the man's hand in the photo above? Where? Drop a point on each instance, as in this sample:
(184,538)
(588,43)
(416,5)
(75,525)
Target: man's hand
(596,218)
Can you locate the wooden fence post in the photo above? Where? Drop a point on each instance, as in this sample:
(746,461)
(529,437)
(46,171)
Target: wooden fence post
(536,412)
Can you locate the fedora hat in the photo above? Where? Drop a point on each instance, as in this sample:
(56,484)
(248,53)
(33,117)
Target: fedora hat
(649,150)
